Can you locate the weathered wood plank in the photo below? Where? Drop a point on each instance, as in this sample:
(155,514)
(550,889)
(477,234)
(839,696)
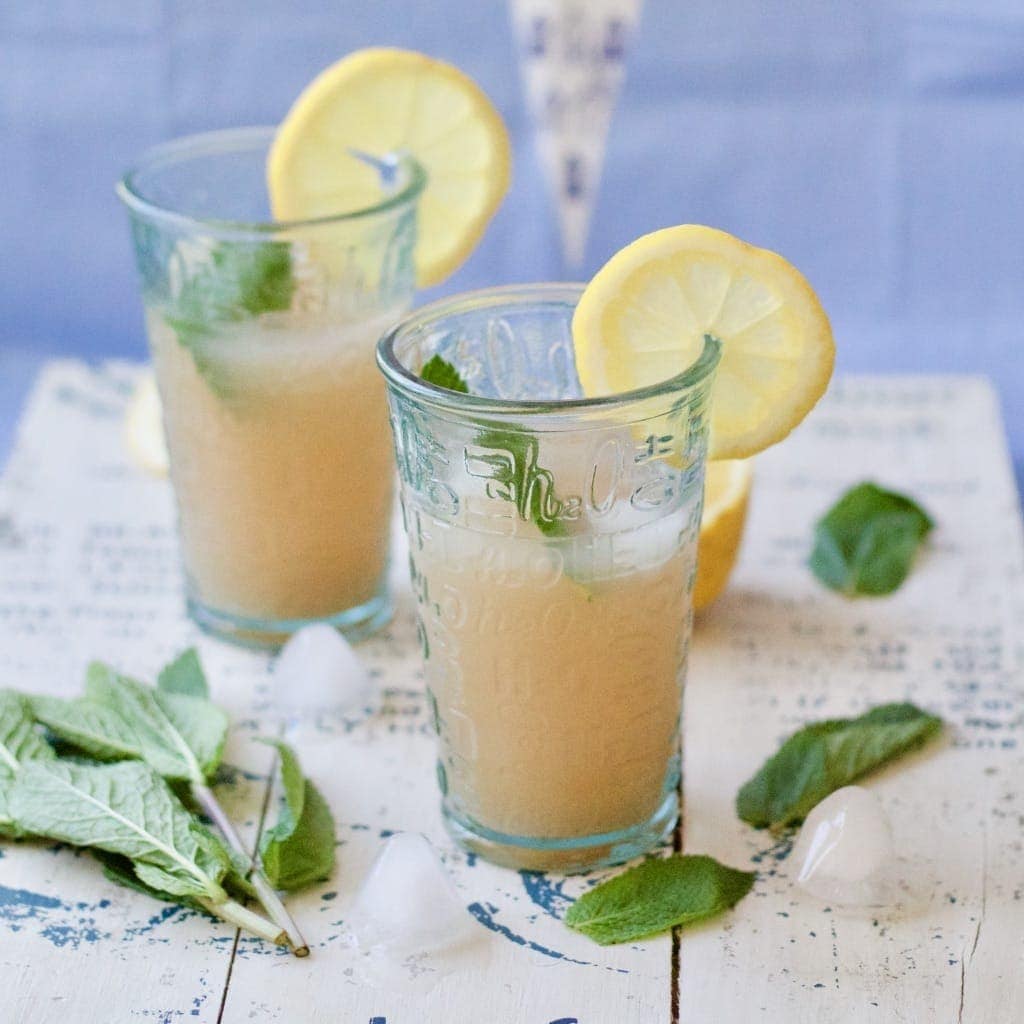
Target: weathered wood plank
(780,650)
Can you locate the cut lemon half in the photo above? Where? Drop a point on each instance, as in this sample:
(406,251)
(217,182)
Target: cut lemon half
(644,316)
(144,428)
(383,102)
(726,494)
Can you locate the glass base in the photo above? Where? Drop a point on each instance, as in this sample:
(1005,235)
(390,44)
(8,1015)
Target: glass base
(566,856)
(354,623)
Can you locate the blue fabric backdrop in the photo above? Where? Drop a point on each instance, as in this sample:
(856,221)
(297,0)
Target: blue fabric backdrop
(879,145)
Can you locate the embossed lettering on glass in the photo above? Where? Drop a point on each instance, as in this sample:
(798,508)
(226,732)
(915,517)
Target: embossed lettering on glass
(262,335)
(552,549)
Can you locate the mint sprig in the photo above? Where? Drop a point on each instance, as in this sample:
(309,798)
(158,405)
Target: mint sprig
(866,543)
(177,734)
(239,280)
(825,756)
(657,895)
(439,372)
(534,486)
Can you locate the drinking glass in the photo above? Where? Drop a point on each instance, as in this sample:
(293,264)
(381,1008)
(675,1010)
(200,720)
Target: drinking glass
(262,335)
(553,549)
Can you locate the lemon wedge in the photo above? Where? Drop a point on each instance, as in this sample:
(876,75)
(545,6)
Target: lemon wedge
(726,494)
(387,101)
(643,318)
(144,428)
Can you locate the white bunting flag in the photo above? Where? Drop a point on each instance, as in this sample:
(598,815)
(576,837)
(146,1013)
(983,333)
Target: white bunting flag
(572,54)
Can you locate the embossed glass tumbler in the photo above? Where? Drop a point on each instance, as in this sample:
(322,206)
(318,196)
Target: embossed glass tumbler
(552,548)
(262,335)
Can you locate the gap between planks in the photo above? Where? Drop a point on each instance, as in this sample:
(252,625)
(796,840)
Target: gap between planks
(677,847)
(264,810)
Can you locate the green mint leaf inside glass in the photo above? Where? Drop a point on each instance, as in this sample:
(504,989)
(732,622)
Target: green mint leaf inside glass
(657,895)
(537,493)
(442,374)
(825,756)
(239,280)
(533,485)
(866,543)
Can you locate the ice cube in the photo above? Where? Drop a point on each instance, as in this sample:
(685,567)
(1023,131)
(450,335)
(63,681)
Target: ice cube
(318,674)
(407,903)
(844,853)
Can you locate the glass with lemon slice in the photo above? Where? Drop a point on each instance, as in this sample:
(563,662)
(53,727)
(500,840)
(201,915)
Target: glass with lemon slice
(552,443)
(271,261)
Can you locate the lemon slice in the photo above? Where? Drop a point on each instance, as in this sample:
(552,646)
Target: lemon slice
(643,318)
(726,493)
(385,101)
(144,428)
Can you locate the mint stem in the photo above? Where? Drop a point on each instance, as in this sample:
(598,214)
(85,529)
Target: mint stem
(234,913)
(267,894)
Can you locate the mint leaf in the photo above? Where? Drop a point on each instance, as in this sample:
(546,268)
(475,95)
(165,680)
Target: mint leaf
(118,868)
(513,457)
(825,756)
(657,895)
(184,675)
(239,280)
(19,742)
(441,373)
(91,728)
(124,808)
(865,544)
(181,736)
(299,849)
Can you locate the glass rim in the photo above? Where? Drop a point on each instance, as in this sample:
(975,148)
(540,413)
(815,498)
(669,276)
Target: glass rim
(411,384)
(228,140)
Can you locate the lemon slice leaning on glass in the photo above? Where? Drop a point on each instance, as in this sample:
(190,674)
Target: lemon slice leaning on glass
(383,102)
(644,316)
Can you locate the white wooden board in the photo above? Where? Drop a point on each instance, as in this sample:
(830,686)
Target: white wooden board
(88,568)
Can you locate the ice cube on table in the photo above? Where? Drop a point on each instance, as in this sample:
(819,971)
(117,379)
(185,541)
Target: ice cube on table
(317,673)
(407,903)
(844,853)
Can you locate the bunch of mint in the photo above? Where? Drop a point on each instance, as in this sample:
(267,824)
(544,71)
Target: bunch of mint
(130,748)
(238,281)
